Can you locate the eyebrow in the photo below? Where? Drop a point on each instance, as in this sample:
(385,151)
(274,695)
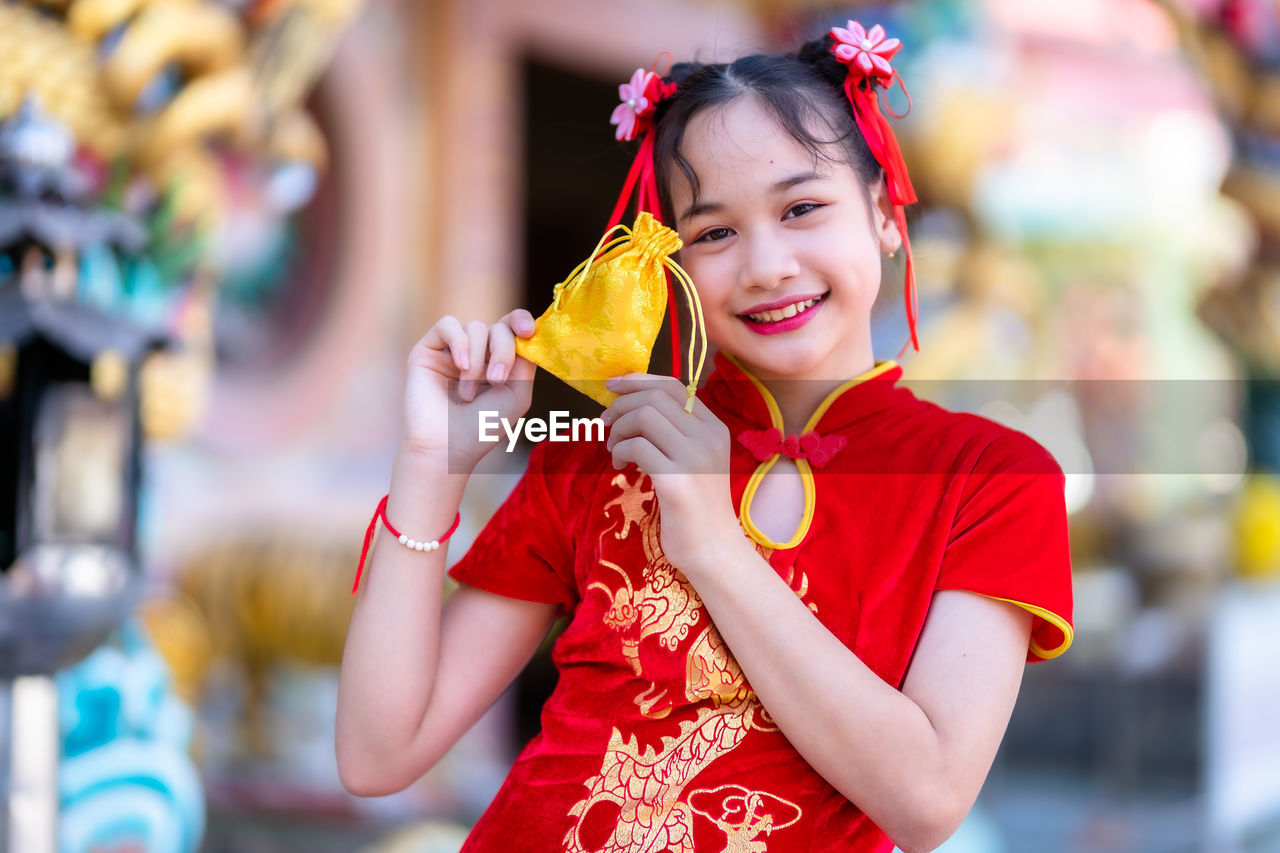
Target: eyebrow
(781,186)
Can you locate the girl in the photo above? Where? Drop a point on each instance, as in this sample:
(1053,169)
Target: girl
(799,614)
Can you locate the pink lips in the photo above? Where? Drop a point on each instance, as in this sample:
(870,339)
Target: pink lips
(777,327)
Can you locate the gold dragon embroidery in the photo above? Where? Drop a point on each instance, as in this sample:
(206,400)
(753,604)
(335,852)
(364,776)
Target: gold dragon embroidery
(743,815)
(646,784)
(666,606)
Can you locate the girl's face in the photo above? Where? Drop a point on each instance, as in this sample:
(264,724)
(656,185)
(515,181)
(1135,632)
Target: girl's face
(783,248)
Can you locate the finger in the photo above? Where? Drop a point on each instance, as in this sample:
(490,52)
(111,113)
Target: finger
(678,392)
(654,398)
(651,424)
(639,451)
(502,352)
(521,382)
(631,382)
(523,370)
(478,340)
(718,428)
(448,334)
(706,416)
(478,343)
(520,322)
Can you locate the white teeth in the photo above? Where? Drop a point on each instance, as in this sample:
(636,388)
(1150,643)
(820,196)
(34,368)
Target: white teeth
(783,313)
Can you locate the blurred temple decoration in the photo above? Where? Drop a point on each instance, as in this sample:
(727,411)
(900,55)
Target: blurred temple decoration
(131,135)
(1236,46)
(1098,252)
(139,135)
(127,780)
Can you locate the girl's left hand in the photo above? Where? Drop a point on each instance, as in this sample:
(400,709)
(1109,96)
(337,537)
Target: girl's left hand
(686,455)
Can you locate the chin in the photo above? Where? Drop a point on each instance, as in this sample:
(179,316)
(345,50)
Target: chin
(784,366)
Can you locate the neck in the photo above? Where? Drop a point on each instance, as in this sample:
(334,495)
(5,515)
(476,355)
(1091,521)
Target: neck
(798,399)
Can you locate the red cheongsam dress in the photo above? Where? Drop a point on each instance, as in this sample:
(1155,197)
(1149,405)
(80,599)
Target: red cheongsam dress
(653,740)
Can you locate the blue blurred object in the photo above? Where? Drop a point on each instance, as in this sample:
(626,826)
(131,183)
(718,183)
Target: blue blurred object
(150,301)
(100,282)
(1262,421)
(126,776)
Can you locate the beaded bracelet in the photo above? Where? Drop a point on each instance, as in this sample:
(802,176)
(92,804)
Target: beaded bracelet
(381,513)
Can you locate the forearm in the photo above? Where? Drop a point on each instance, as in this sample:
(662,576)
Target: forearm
(390,659)
(870,741)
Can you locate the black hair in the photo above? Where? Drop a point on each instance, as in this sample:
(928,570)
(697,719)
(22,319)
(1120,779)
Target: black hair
(801,90)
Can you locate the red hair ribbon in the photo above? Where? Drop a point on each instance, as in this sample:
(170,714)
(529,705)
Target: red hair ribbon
(867,54)
(765,444)
(634,117)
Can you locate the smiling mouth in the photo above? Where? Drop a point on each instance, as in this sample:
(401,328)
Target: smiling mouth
(783,313)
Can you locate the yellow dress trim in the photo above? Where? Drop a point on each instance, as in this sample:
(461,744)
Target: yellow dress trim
(806,472)
(880,368)
(810,500)
(1049,616)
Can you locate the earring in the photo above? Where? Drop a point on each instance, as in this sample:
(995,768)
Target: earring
(893,253)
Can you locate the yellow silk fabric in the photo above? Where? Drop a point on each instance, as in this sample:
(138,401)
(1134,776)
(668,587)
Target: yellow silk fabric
(606,315)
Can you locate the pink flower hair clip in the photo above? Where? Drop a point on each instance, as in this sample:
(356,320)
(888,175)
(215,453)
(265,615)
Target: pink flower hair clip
(640,97)
(866,51)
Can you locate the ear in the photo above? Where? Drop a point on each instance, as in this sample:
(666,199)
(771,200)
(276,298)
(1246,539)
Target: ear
(883,224)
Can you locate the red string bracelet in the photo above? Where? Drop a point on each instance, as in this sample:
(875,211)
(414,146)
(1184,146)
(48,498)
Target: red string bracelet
(381,513)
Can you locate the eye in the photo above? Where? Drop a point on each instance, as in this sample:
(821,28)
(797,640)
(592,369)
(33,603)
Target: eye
(801,209)
(714,235)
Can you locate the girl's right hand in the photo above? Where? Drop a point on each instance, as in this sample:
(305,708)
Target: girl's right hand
(457,371)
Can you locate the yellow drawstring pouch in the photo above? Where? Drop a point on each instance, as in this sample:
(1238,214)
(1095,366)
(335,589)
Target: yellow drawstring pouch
(605,316)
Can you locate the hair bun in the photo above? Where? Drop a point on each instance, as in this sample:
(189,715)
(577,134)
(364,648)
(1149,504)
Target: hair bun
(682,71)
(818,55)
(813,51)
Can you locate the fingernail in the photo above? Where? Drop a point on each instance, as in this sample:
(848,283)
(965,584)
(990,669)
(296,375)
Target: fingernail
(497,372)
(613,382)
(464,361)
(467,389)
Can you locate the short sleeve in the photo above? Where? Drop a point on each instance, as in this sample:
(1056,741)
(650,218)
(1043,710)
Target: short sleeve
(526,550)
(1009,539)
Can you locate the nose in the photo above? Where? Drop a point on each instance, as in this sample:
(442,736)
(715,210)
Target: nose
(769,260)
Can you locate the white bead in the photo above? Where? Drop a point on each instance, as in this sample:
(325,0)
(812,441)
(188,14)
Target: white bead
(866,44)
(414,544)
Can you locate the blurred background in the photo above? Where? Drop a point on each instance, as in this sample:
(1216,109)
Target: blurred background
(224,223)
